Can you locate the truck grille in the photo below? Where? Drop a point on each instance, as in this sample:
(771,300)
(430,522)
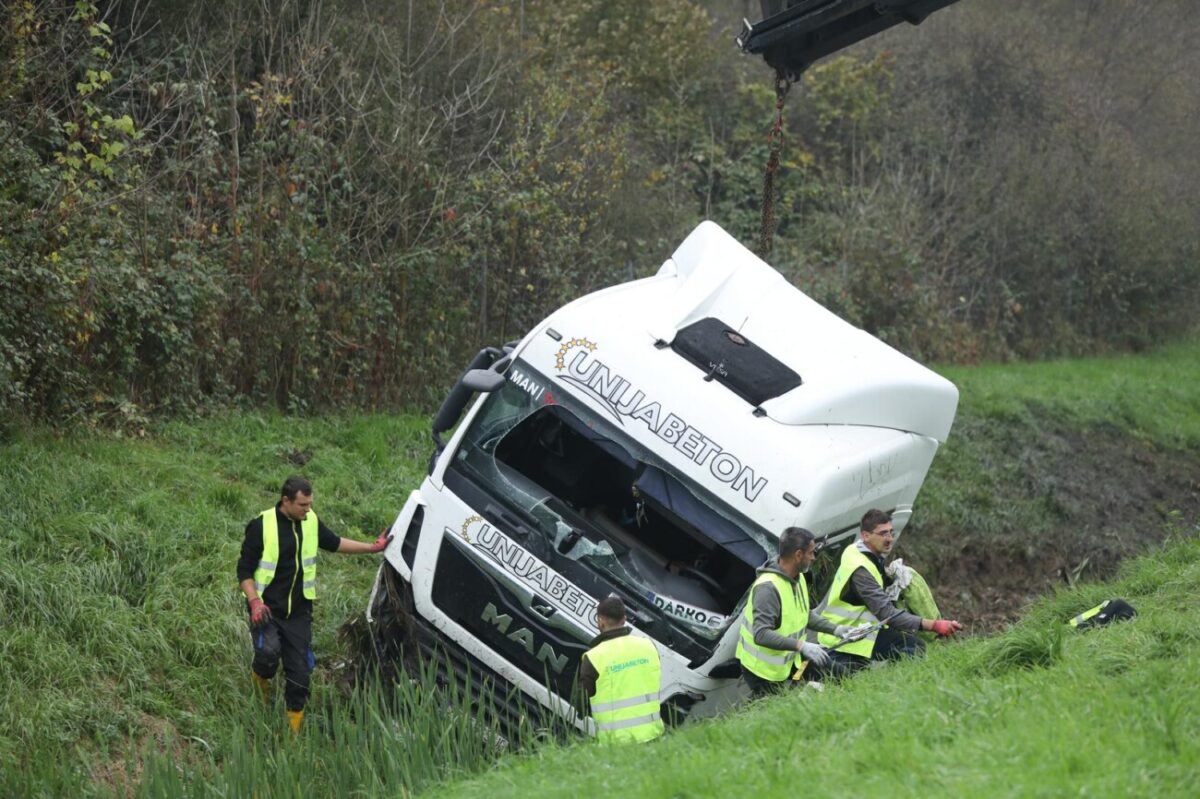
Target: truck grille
(407,645)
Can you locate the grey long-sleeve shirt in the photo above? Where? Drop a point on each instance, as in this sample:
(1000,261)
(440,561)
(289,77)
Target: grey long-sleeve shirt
(768,610)
(874,597)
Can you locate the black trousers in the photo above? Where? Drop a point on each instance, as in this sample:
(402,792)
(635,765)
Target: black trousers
(760,687)
(889,645)
(289,640)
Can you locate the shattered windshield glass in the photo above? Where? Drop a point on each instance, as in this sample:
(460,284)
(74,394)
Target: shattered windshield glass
(597,497)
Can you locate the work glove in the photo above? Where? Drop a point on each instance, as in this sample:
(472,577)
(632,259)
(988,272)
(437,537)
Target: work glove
(381,542)
(814,654)
(946,627)
(848,633)
(260,614)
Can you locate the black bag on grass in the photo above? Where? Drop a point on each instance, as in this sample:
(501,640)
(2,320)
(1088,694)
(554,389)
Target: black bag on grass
(1107,611)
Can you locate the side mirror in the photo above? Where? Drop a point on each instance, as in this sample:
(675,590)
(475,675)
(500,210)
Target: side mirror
(484,381)
(477,378)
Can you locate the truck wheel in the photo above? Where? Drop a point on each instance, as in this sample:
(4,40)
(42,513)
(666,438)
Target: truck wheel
(392,620)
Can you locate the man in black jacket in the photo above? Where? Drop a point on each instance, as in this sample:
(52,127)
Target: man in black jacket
(278,574)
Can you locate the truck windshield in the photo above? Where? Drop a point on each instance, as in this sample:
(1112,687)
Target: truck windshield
(602,499)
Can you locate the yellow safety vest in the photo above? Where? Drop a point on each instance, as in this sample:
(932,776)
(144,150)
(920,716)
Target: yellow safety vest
(774,664)
(307,555)
(839,611)
(626,705)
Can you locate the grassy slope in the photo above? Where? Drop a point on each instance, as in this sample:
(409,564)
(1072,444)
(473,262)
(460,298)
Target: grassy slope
(1050,463)
(1153,399)
(1112,712)
(1153,395)
(121,618)
(980,479)
(120,625)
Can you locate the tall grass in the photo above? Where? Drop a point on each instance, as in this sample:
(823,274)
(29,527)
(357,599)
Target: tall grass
(121,626)
(382,740)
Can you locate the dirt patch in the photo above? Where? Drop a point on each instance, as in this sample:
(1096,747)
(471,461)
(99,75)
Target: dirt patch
(120,772)
(1102,495)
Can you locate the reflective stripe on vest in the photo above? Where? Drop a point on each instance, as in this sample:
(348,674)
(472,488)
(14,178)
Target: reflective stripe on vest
(774,664)
(1087,614)
(647,720)
(626,705)
(839,611)
(265,572)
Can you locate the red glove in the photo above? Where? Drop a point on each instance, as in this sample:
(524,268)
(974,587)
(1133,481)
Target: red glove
(945,627)
(260,614)
(381,543)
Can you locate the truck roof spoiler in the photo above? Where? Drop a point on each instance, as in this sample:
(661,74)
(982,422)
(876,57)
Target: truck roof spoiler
(795,33)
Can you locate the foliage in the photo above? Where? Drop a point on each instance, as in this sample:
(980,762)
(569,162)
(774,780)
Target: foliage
(385,739)
(204,205)
(966,205)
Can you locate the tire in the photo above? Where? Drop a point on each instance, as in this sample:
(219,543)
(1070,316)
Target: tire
(392,626)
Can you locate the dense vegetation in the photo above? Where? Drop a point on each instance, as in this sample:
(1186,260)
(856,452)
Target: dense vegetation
(330,204)
(124,655)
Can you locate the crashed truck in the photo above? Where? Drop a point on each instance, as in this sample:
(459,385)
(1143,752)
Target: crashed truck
(650,440)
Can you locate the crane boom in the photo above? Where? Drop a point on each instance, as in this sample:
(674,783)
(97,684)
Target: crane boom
(795,33)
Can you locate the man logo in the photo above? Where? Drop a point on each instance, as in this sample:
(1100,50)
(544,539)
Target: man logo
(524,637)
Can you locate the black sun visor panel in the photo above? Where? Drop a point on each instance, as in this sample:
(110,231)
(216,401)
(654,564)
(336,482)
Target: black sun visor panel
(734,361)
(674,498)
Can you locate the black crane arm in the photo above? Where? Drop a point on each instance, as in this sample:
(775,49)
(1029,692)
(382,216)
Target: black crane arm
(795,33)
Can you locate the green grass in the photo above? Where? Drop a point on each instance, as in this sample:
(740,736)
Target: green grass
(1040,710)
(124,656)
(377,742)
(1049,461)
(119,612)
(1154,396)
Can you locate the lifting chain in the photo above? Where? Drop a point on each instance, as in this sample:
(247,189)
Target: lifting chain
(775,147)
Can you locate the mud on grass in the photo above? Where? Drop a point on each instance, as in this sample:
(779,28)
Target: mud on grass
(1019,504)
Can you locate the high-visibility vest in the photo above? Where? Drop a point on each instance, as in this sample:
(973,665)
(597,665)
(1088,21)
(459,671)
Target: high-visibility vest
(307,567)
(626,705)
(774,664)
(1107,611)
(839,611)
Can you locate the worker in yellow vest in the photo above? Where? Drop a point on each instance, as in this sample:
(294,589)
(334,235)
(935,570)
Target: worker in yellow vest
(620,675)
(277,572)
(771,641)
(873,627)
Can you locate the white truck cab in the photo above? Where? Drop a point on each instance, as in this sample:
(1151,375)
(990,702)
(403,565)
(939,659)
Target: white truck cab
(651,440)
